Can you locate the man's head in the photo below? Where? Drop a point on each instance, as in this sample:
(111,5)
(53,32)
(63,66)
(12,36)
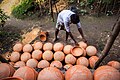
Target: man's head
(74,18)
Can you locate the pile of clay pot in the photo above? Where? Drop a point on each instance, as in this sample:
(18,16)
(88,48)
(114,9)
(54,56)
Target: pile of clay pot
(47,61)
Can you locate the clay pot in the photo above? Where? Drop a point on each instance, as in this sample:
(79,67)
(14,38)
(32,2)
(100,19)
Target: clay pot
(70,59)
(32,63)
(38,45)
(56,64)
(19,64)
(47,55)
(26,73)
(15,56)
(82,61)
(82,44)
(12,64)
(12,78)
(43,64)
(25,56)
(67,49)
(106,73)
(6,70)
(18,47)
(84,52)
(59,56)
(114,64)
(78,72)
(27,48)
(77,51)
(91,51)
(37,54)
(93,60)
(67,66)
(50,73)
(43,36)
(58,47)
(47,46)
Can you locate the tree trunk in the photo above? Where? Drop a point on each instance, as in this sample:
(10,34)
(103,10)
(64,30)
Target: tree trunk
(109,43)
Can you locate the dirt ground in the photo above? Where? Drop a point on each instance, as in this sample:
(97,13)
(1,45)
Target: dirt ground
(96,31)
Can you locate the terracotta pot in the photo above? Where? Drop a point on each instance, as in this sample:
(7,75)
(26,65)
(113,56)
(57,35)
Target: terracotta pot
(77,51)
(26,73)
(38,45)
(78,72)
(91,51)
(58,47)
(25,56)
(15,56)
(82,44)
(47,55)
(114,64)
(18,47)
(84,52)
(59,56)
(70,59)
(50,73)
(37,54)
(47,46)
(43,36)
(56,64)
(43,64)
(12,64)
(6,70)
(32,63)
(27,48)
(82,61)
(106,73)
(19,64)
(67,49)
(12,78)
(67,66)
(93,60)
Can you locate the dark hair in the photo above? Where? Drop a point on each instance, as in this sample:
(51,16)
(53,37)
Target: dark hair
(74,18)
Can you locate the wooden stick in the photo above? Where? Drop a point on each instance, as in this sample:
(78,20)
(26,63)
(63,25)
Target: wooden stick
(109,43)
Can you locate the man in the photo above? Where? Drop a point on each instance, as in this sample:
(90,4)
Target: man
(65,18)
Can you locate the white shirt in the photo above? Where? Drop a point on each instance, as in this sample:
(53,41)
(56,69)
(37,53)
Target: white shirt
(64,18)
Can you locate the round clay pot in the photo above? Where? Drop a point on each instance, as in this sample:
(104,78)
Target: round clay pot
(43,64)
(43,36)
(82,61)
(19,64)
(6,70)
(114,64)
(50,73)
(93,60)
(37,54)
(70,59)
(91,51)
(59,56)
(106,73)
(78,72)
(26,73)
(15,56)
(67,66)
(47,46)
(56,64)
(32,63)
(27,48)
(77,51)
(12,78)
(47,55)
(67,49)
(18,47)
(84,52)
(25,56)
(12,64)
(82,44)
(58,47)
(38,45)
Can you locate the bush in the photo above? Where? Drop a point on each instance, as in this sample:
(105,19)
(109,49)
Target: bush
(24,8)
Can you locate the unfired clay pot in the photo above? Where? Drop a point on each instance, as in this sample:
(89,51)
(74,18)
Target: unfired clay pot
(114,64)
(56,64)
(15,56)
(18,47)
(47,55)
(77,51)
(67,49)
(43,64)
(58,47)
(91,50)
(59,56)
(25,56)
(37,54)
(82,44)
(19,64)
(47,46)
(70,59)
(93,60)
(82,61)
(27,48)
(32,63)
(38,45)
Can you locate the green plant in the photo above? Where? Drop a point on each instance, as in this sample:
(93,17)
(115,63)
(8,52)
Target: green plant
(24,8)
(3,17)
